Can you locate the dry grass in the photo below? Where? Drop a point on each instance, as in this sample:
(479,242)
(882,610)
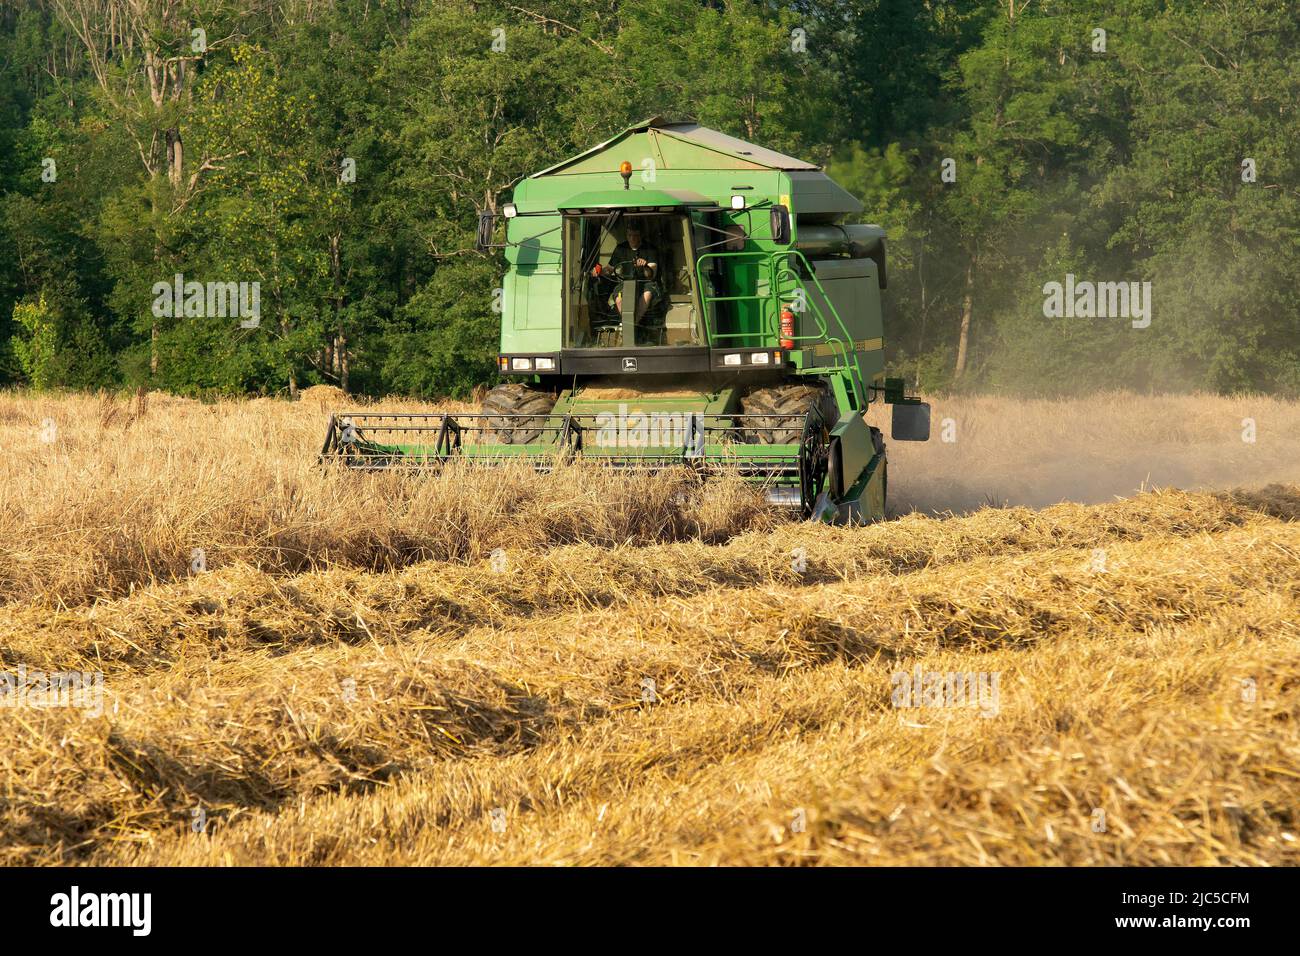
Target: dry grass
(121,498)
(354,681)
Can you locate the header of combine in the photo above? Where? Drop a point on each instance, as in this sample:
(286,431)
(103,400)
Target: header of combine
(675,270)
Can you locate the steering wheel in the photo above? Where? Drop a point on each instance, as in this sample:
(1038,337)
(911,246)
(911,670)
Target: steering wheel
(627,269)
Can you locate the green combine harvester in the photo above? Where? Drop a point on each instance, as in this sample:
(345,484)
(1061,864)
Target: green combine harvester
(677,297)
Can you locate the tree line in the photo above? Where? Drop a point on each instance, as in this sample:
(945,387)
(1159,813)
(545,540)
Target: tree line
(338,153)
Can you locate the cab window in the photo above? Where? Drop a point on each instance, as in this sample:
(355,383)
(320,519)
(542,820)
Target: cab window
(636,267)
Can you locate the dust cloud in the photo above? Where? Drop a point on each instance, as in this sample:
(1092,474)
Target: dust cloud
(1006,452)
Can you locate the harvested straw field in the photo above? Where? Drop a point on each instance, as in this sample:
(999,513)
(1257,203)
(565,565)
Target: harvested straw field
(306,667)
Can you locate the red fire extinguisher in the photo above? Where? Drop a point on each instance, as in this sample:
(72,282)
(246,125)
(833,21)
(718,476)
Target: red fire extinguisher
(787,328)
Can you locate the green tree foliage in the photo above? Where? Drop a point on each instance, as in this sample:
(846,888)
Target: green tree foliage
(37,345)
(338,153)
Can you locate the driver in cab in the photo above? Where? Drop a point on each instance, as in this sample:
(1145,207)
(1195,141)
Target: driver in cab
(634,257)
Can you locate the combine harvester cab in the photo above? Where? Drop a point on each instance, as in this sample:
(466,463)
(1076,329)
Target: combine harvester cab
(677,297)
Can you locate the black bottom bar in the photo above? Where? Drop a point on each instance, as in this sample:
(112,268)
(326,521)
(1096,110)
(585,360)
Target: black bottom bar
(976,908)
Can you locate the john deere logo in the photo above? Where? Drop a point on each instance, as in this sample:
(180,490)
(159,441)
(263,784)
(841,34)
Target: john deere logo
(629,365)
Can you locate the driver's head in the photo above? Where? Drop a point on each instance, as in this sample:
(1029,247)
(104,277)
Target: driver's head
(633,235)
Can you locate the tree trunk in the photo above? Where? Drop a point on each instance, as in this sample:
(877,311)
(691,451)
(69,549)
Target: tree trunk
(920,279)
(153,324)
(175,157)
(175,148)
(339,359)
(967,302)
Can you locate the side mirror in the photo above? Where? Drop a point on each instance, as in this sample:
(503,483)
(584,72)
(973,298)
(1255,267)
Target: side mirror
(780,225)
(911,422)
(486,224)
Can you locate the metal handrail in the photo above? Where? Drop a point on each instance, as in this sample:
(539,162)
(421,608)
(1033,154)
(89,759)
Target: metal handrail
(781,272)
(850,357)
(711,334)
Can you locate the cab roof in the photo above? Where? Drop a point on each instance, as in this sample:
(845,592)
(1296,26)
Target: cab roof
(681,146)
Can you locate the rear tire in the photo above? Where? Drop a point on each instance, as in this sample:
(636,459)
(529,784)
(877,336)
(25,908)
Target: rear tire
(790,398)
(514,398)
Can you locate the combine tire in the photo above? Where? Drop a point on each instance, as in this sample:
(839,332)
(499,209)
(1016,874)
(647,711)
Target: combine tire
(791,398)
(511,401)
